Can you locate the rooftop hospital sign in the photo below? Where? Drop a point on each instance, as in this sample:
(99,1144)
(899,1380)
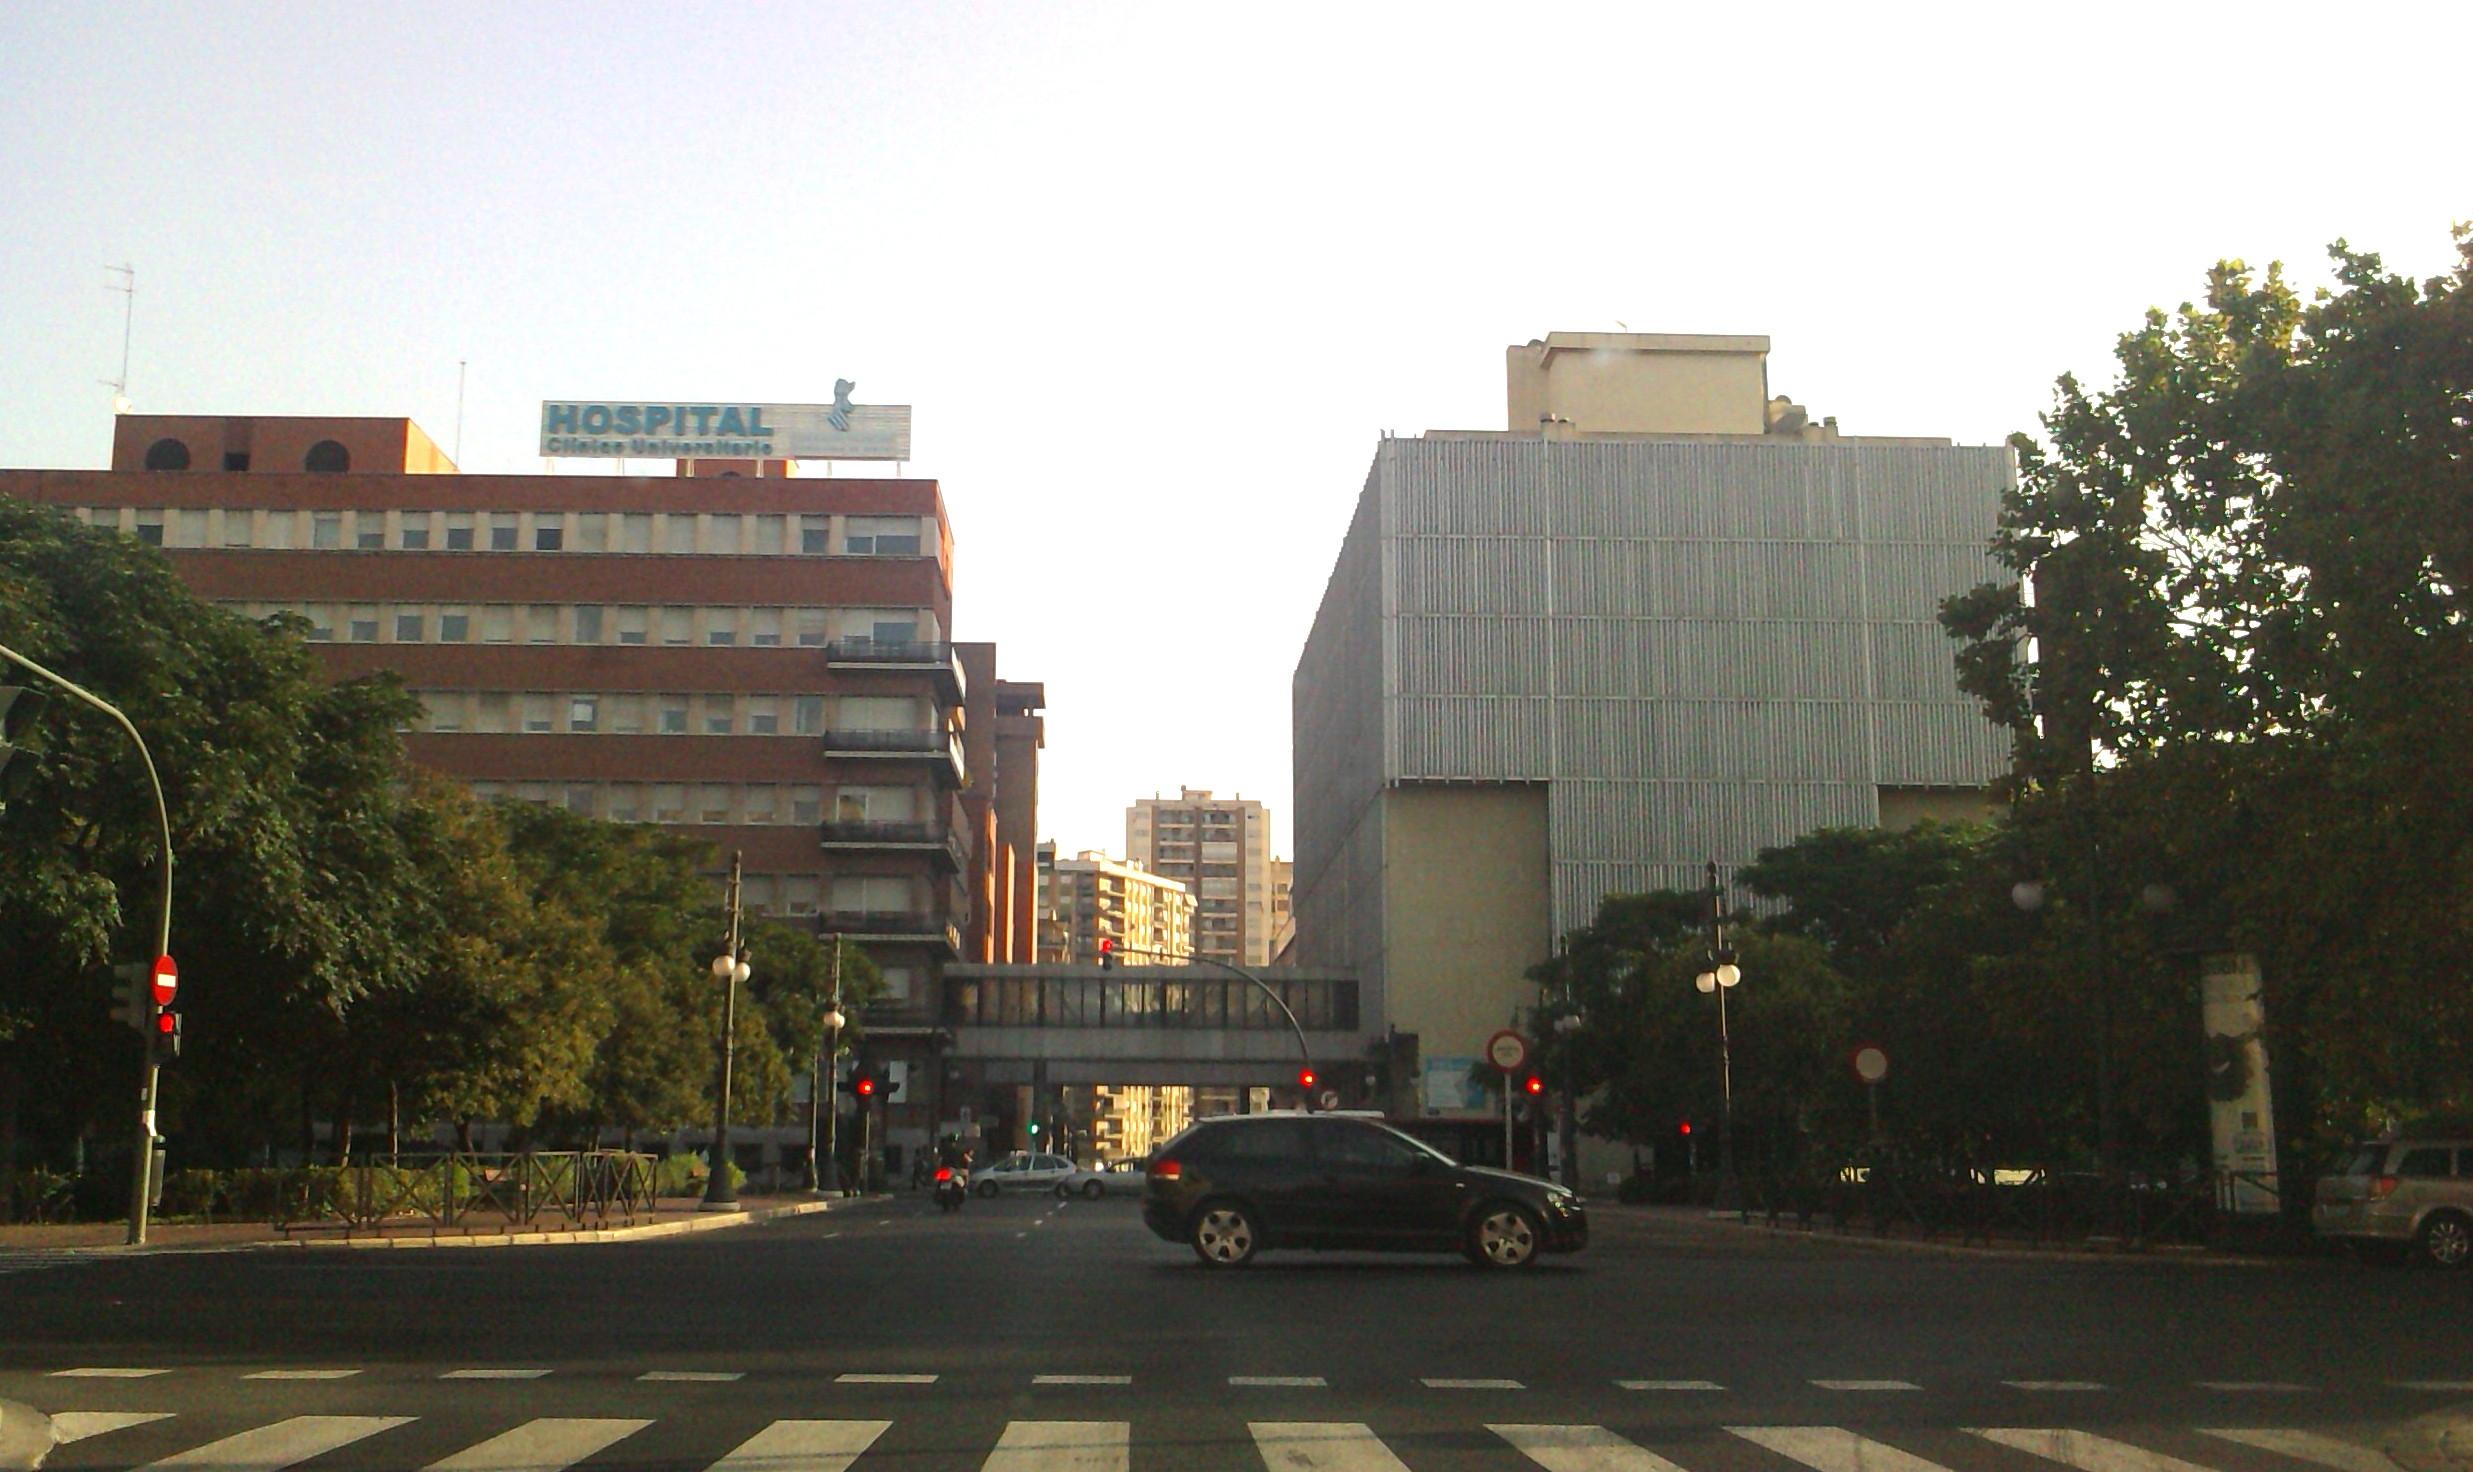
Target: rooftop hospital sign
(841,430)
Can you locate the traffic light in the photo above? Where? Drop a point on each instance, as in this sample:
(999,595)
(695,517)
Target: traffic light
(18,708)
(1107,953)
(1307,1078)
(1533,1085)
(1684,1128)
(863,1085)
(131,999)
(1034,1129)
(167,1033)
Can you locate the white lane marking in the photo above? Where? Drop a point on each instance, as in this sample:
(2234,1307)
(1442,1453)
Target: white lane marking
(1062,1446)
(1081,1379)
(549,1444)
(282,1444)
(1018,1236)
(1472,1385)
(2085,1450)
(1867,1385)
(2251,1387)
(856,1378)
(68,1426)
(1581,1449)
(105,1372)
(803,1446)
(1279,1382)
(493,1374)
(2053,1384)
(1834,1449)
(2308,1446)
(695,1377)
(2447,1385)
(1669,1385)
(1322,1446)
(300,1375)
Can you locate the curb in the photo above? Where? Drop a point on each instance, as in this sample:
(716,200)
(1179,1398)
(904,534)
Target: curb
(25,1437)
(1998,1252)
(718,1221)
(2439,1442)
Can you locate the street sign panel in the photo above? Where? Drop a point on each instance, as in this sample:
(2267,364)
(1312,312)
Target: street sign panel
(166,980)
(1507,1050)
(1871,1064)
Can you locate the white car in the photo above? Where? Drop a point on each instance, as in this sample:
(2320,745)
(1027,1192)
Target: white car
(1108,1178)
(1020,1171)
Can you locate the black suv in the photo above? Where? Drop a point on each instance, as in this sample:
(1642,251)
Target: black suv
(1242,1183)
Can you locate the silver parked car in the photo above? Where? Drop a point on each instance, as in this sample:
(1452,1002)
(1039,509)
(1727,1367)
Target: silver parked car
(1108,1178)
(1020,1171)
(2414,1191)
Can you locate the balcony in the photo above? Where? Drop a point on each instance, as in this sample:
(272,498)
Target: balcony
(892,928)
(941,749)
(940,841)
(919,656)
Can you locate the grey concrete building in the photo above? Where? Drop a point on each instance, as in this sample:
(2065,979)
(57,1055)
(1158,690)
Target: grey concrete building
(1662,620)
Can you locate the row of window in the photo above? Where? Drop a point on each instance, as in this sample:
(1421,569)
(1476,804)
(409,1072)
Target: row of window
(634,713)
(596,623)
(326,457)
(1215,1002)
(709,533)
(722,803)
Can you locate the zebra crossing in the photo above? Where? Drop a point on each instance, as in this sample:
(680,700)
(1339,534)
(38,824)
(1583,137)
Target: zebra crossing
(557,1443)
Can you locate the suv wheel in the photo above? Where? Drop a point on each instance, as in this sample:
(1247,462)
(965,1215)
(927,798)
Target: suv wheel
(2447,1240)
(1224,1235)
(1504,1235)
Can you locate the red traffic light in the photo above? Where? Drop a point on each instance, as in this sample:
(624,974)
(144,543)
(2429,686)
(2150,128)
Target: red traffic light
(167,1023)
(1534,1084)
(1307,1078)
(864,1086)
(1107,952)
(1684,1128)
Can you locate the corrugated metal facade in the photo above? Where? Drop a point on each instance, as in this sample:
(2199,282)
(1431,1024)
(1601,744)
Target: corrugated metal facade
(1705,646)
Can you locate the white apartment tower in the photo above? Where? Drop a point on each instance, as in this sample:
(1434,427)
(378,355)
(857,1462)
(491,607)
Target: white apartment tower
(1082,899)
(1221,848)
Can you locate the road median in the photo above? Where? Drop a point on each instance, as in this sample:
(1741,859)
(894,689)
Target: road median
(105,1239)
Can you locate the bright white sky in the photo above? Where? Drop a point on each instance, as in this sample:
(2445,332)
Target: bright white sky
(1156,278)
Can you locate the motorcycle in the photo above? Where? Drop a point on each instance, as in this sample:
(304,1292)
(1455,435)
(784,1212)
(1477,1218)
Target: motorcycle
(952,1187)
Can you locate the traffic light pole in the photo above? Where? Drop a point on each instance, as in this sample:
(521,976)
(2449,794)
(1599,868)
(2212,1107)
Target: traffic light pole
(141,1171)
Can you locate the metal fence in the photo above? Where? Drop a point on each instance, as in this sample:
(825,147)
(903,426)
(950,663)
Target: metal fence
(2044,1209)
(570,1189)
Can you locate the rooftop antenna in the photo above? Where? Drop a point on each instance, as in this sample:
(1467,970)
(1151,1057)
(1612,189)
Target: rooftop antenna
(128,312)
(460,364)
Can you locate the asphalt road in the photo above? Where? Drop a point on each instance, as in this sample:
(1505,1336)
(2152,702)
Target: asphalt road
(1025,1334)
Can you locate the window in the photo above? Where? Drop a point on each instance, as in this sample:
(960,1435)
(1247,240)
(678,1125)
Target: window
(876,713)
(894,631)
(497,624)
(2425,1163)
(873,894)
(760,892)
(763,715)
(454,626)
(580,798)
(764,627)
(720,716)
(626,802)
(592,531)
(278,530)
(327,457)
(882,536)
(363,627)
(763,803)
(583,712)
(627,715)
(806,805)
(768,535)
(369,531)
(588,623)
(496,712)
(192,529)
(678,533)
(724,535)
(632,623)
(236,528)
(541,624)
(673,715)
(459,531)
(874,804)
(814,628)
(236,460)
(502,531)
(815,535)
(409,627)
(321,622)
(549,534)
(414,537)
(799,893)
(712,803)
(807,715)
(326,530)
(678,626)
(167,454)
(721,626)
(897,982)
(446,709)
(538,708)
(669,802)
(635,531)
(150,528)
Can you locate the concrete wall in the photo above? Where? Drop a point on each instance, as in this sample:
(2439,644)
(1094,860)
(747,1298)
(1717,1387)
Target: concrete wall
(1465,880)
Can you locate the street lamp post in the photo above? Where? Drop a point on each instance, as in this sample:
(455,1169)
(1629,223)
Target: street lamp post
(729,968)
(823,1171)
(1722,976)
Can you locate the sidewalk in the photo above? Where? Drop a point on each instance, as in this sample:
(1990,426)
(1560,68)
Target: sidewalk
(674,1215)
